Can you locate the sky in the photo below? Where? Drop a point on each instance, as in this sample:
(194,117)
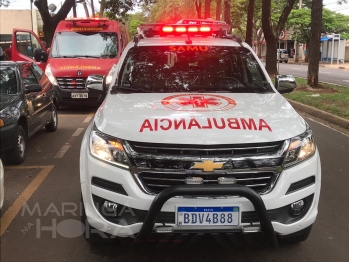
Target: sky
(25,4)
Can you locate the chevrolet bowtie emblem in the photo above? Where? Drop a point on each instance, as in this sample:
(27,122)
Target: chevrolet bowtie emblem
(208,165)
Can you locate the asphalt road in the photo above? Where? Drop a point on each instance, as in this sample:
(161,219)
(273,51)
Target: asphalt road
(329,75)
(40,218)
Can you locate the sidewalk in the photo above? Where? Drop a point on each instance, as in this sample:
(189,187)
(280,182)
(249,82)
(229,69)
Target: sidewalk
(323,64)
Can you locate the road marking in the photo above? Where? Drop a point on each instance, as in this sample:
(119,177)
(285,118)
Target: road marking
(297,68)
(89,117)
(62,151)
(346,80)
(68,144)
(325,72)
(327,126)
(78,131)
(13,210)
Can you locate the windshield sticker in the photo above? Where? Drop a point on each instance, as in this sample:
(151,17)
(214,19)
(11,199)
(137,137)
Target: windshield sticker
(86,29)
(166,124)
(79,67)
(189,48)
(198,102)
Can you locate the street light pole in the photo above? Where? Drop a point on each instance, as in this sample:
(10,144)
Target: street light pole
(31,14)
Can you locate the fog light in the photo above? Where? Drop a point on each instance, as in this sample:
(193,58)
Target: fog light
(110,208)
(194,180)
(164,229)
(297,207)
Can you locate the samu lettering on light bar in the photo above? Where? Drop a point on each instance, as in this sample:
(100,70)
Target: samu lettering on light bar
(188,48)
(166,124)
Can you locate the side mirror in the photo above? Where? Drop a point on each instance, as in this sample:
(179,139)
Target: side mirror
(40,55)
(96,83)
(32,88)
(285,83)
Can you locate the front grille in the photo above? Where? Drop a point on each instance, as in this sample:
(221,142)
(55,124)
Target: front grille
(71,83)
(155,182)
(159,166)
(206,150)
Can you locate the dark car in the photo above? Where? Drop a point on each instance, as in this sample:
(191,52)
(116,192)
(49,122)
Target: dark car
(27,103)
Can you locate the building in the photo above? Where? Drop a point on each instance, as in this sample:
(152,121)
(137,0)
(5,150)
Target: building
(23,19)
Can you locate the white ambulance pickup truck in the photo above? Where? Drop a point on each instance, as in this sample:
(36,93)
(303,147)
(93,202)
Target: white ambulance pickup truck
(193,138)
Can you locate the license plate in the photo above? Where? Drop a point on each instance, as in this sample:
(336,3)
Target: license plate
(79,95)
(208,216)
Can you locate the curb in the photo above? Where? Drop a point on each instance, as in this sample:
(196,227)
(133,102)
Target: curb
(340,121)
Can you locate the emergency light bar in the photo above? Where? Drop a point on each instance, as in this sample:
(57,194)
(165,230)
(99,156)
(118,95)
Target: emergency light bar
(90,19)
(149,30)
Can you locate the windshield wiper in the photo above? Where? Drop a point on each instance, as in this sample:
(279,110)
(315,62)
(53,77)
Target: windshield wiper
(127,90)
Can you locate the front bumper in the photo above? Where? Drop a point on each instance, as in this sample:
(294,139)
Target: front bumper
(64,97)
(133,197)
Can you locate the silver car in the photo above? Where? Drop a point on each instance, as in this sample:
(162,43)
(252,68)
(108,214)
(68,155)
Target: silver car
(282,55)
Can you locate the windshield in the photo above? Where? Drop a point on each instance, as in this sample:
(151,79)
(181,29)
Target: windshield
(82,44)
(171,69)
(8,83)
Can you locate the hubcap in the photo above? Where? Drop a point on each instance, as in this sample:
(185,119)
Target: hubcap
(54,117)
(21,144)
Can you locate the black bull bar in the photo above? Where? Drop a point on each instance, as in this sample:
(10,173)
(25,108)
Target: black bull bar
(208,190)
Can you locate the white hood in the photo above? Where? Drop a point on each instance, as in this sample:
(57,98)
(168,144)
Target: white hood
(211,118)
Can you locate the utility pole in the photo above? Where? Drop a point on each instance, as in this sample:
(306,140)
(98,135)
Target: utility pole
(295,42)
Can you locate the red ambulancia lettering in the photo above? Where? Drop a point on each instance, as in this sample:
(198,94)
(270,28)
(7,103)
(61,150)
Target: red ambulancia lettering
(233,123)
(166,124)
(216,124)
(146,124)
(263,124)
(249,125)
(193,123)
(177,123)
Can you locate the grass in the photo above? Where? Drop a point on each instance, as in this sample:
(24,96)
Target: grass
(330,98)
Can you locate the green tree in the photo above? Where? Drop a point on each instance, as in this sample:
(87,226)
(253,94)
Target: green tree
(50,22)
(272,30)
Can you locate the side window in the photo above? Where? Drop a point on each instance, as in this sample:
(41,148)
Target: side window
(27,43)
(27,75)
(37,72)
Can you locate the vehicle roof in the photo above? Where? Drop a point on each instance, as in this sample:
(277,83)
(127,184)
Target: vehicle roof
(13,63)
(180,40)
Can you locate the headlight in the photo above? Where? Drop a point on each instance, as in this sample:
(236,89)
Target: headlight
(301,148)
(108,149)
(110,75)
(50,76)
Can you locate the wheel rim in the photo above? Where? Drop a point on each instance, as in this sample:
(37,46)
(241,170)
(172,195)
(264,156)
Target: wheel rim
(20,144)
(54,117)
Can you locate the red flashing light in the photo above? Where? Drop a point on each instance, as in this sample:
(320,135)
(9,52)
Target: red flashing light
(205,29)
(167,29)
(193,29)
(181,29)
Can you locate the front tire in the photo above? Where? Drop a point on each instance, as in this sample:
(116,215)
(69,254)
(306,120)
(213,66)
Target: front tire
(52,126)
(17,154)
